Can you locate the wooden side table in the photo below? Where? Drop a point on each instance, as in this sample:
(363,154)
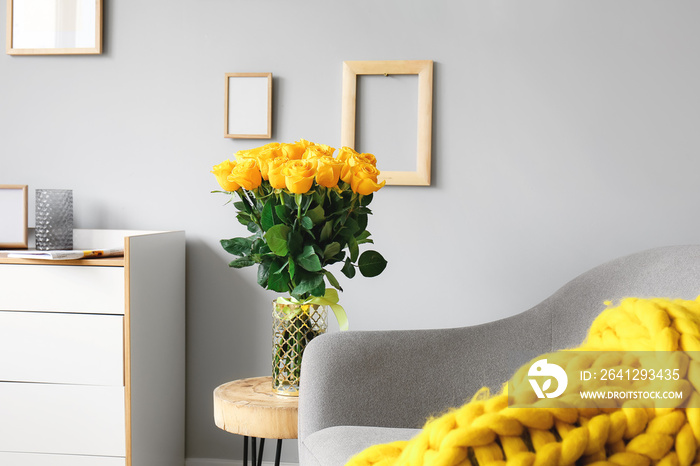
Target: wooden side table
(250,408)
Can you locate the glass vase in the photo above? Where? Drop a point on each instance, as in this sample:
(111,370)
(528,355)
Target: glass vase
(293,327)
(54,219)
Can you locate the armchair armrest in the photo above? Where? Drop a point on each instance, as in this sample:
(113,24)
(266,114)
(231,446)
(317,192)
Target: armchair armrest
(401,378)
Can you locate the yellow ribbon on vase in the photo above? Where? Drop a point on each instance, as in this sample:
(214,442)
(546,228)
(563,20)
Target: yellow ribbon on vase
(330,298)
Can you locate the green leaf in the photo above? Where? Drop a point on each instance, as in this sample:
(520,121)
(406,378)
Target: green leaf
(306,202)
(306,223)
(263,273)
(327,231)
(337,258)
(365,200)
(276,238)
(349,228)
(288,199)
(241,262)
(354,248)
(257,245)
(312,284)
(282,213)
(237,246)
(362,222)
(371,263)
(317,215)
(309,260)
(244,218)
(333,281)
(295,243)
(348,269)
(331,250)
(278,279)
(292,268)
(319,196)
(267,219)
(363,236)
(254,228)
(240,206)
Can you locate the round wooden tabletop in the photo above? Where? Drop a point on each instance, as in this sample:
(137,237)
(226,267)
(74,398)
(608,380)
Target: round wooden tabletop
(250,407)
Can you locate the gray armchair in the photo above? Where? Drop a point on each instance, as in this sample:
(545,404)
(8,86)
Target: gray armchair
(363,388)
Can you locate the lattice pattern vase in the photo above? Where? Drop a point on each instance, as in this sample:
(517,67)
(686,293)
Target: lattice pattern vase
(293,327)
(54,219)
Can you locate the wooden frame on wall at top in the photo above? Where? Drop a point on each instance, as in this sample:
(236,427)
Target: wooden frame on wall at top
(248,113)
(424,70)
(54,27)
(13,216)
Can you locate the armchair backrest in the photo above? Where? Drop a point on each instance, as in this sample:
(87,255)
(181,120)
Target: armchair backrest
(399,378)
(668,272)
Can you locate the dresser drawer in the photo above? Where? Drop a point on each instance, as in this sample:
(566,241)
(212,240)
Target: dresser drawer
(62,288)
(62,419)
(61,348)
(36,459)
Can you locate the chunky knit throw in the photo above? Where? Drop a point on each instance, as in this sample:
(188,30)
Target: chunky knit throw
(487,431)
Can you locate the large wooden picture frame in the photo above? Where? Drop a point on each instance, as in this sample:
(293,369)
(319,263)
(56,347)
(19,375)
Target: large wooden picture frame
(248,112)
(54,27)
(13,216)
(424,70)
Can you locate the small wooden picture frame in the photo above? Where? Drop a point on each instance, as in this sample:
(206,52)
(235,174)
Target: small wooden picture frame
(248,106)
(13,217)
(54,27)
(424,70)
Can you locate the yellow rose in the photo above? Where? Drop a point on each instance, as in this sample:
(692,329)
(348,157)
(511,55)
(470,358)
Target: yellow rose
(275,172)
(305,143)
(299,175)
(316,152)
(292,151)
(222,171)
(325,150)
(320,149)
(255,152)
(265,157)
(346,172)
(352,158)
(364,179)
(247,174)
(363,158)
(345,153)
(328,171)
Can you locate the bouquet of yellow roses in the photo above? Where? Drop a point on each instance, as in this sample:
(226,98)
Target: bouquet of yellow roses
(305,210)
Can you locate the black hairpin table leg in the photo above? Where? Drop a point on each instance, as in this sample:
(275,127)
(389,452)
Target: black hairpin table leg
(278,452)
(257,453)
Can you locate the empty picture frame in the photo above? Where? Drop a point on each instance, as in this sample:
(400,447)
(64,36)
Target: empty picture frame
(54,27)
(13,216)
(424,70)
(248,106)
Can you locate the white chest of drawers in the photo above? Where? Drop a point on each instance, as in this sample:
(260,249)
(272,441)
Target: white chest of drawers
(92,355)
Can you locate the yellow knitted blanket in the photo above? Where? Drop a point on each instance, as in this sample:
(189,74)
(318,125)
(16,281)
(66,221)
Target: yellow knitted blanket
(490,430)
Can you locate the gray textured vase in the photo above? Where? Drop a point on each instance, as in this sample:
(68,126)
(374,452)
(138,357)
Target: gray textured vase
(54,219)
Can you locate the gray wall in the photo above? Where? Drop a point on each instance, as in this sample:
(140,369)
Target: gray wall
(565,134)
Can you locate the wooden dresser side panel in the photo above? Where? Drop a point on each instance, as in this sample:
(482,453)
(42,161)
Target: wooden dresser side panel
(155,268)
